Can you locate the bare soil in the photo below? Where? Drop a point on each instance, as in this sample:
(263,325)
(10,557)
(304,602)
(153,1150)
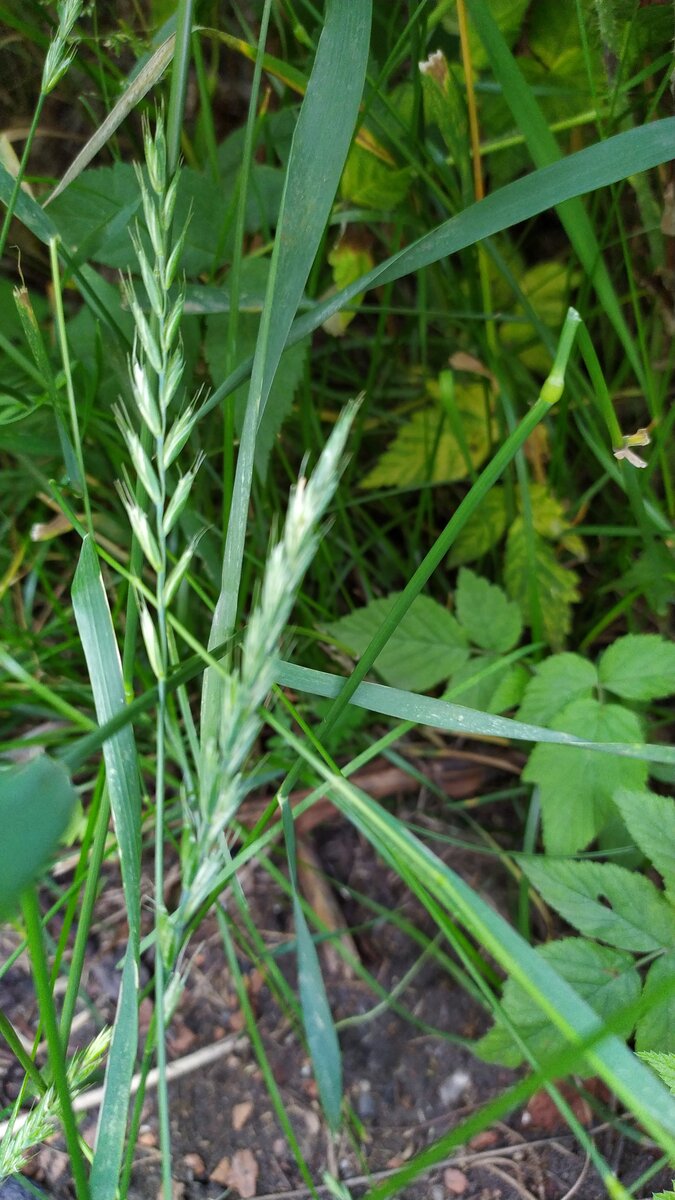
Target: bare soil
(409,1073)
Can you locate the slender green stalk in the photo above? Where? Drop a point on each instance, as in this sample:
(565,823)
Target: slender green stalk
(550,393)
(33,923)
(9,213)
(92,867)
(57,62)
(156,369)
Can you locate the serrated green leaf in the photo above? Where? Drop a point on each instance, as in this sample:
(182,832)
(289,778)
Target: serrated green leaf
(95,215)
(656,1026)
(490,619)
(639,666)
(650,820)
(557,681)
(605,901)
(37,799)
(664,1065)
(653,573)
(482,531)
(546,286)
(428,646)
(576,789)
(557,585)
(425,448)
(605,977)
(548,512)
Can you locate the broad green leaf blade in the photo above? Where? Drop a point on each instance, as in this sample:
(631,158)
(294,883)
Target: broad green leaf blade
(639,666)
(650,820)
(576,787)
(318,151)
(440,714)
(544,150)
(605,901)
(36,802)
(656,1027)
(115,1107)
(322,1038)
(490,619)
(594,167)
(426,648)
(605,978)
(94,623)
(557,681)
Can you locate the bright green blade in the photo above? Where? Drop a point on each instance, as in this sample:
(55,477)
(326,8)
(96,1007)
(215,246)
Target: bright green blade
(94,622)
(544,150)
(320,144)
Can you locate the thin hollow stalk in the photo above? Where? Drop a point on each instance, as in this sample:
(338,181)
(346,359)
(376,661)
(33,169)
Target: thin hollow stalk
(439,550)
(4,232)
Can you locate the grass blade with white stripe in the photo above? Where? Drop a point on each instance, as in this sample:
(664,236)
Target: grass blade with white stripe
(94,622)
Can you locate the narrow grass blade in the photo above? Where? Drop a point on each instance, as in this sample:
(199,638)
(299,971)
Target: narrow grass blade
(139,86)
(595,167)
(544,150)
(375,697)
(36,801)
(318,152)
(112,1125)
(322,1037)
(179,74)
(94,623)
(453,718)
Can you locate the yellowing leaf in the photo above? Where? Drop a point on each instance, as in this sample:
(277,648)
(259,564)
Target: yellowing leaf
(546,287)
(367,180)
(482,531)
(425,450)
(556,584)
(349,262)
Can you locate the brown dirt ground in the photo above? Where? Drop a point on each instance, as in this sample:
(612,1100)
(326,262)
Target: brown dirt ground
(406,1084)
